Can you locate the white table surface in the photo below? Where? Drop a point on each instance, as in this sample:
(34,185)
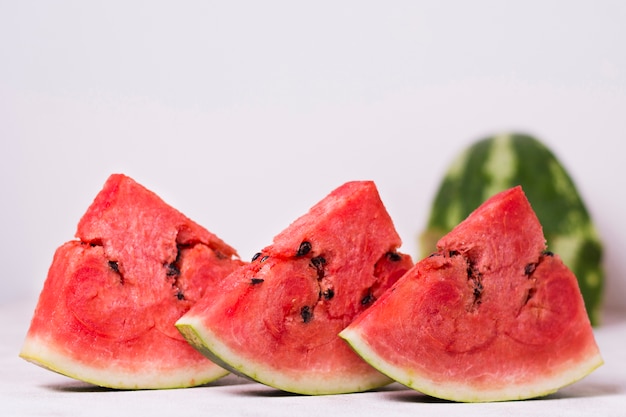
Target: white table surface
(27,390)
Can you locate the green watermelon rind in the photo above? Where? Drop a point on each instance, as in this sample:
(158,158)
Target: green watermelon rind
(41,352)
(467,393)
(500,162)
(207,343)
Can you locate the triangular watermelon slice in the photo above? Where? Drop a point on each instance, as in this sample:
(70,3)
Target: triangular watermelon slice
(276,320)
(490,316)
(107,309)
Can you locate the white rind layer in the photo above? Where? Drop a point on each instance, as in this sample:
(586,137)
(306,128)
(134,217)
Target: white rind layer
(40,352)
(211,346)
(460,392)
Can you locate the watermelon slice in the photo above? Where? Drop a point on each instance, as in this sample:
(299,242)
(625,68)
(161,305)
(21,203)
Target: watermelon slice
(500,162)
(107,310)
(276,320)
(490,316)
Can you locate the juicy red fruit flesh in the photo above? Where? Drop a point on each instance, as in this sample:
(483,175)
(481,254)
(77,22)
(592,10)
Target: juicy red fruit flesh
(107,311)
(277,319)
(490,316)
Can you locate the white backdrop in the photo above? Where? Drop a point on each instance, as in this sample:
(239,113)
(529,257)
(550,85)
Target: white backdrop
(244,114)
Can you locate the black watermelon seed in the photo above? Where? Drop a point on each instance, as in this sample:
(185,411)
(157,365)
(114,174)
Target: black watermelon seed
(394,256)
(530,268)
(547,253)
(114,266)
(305,247)
(255,281)
(368,299)
(306,314)
(172,270)
(318,262)
(453,253)
(477,291)
(328,294)
(256,256)
(180,295)
(263,259)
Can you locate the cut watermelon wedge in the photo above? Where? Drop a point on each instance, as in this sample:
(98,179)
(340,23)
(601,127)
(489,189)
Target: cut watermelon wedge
(500,162)
(107,309)
(276,320)
(490,316)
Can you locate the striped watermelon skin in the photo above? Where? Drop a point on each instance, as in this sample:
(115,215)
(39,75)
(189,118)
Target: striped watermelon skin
(497,163)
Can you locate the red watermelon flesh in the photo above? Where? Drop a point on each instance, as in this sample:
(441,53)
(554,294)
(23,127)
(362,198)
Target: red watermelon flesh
(107,310)
(276,320)
(491,316)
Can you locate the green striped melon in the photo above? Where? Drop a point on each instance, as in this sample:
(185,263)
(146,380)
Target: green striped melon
(497,163)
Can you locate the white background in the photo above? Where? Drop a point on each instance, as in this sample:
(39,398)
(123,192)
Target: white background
(244,114)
